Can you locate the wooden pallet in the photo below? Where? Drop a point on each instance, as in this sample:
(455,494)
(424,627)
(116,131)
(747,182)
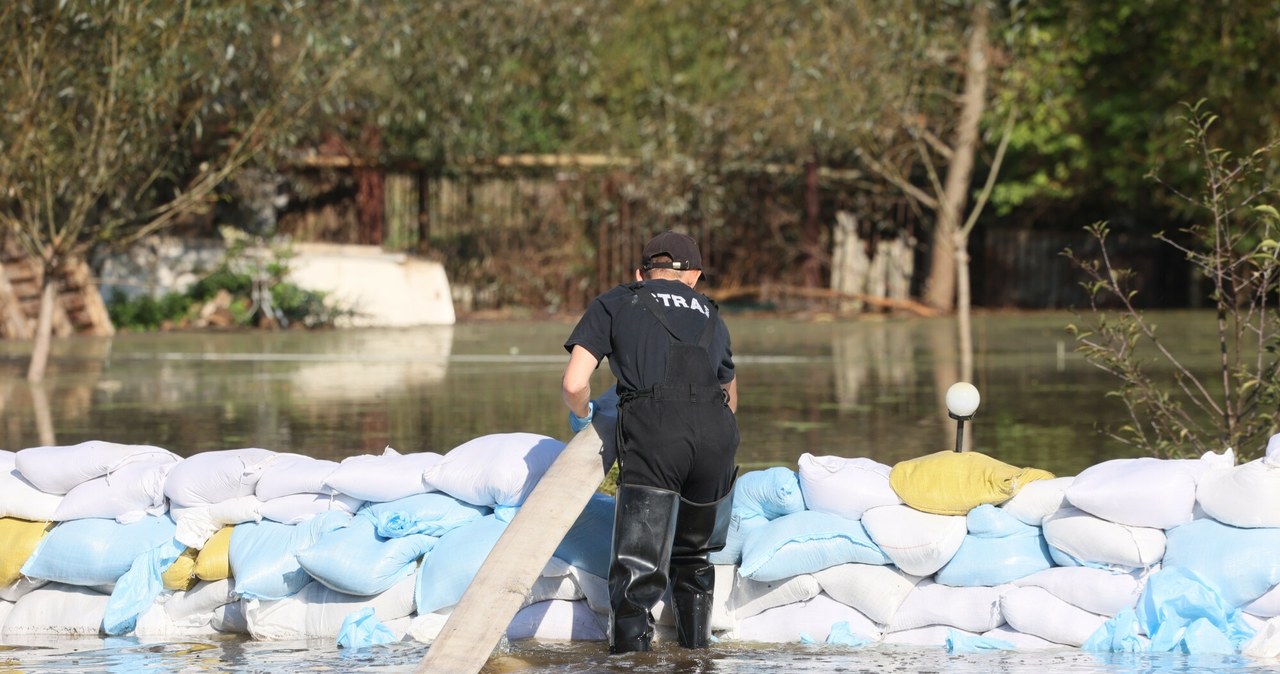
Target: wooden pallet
(78,306)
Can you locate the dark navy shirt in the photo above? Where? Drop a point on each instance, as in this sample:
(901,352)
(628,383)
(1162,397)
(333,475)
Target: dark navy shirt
(616,326)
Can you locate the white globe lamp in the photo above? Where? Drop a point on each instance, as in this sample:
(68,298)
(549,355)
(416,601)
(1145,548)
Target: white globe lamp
(962,402)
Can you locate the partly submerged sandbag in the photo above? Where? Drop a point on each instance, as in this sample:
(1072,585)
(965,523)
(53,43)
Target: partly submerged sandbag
(453,563)
(810,621)
(998,549)
(749,597)
(1034,610)
(1247,495)
(1240,564)
(18,540)
(388,476)
(1144,492)
(127,494)
(558,620)
(263,555)
(844,486)
(499,469)
(356,560)
(317,611)
(21,499)
(1077,538)
(287,474)
(806,542)
(59,609)
(953,483)
(973,609)
(1101,591)
(769,493)
(95,552)
(209,478)
(876,591)
(917,542)
(57,469)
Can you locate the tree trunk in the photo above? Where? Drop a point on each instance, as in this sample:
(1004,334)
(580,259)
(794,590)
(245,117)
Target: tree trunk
(44,328)
(812,265)
(940,288)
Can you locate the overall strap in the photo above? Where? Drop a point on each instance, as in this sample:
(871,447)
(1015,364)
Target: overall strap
(708,330)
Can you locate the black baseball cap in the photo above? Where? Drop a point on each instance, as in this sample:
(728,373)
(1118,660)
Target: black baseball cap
(681,248)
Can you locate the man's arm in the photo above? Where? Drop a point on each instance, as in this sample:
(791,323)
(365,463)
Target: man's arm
(575,387)
(732,390)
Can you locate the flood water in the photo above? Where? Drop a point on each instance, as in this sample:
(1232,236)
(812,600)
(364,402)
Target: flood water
(866,388)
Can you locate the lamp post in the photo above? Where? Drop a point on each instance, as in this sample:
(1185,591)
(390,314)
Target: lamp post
(962,402)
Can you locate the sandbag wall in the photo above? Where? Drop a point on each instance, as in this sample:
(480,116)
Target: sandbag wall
(956,550)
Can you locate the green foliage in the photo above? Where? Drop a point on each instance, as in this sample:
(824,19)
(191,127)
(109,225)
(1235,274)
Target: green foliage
(1186,413)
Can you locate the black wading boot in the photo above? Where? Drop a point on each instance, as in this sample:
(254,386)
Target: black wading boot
(643,526)
(701,529)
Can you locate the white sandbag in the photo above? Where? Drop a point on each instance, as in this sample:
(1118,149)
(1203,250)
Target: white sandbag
(919,543)
(128,494)
(1034,610)
(1245,496)
(156,622)
(1086,538)
(1266,606)
(1144,492)
(750,597)
(973,609)
(1266,643)
(297,508)
(929,635)
(1038,500)
(318,612)
(876,591)
(1021,640)
(213,477)
(844,486)
(57,469)
(499,469)
(15,590)
(424,628)
(558,620)
(551,588)
(21,499)
(6,607)
(1100,591)
(596,590)
(230,619)
(378,478)
(197,524)
(809,620)
(202,598)
(57,609)
(287,474)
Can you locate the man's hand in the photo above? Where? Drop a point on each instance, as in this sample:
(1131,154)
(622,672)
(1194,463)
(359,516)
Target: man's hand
(577,423)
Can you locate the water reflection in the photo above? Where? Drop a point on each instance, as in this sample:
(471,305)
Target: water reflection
(870,388)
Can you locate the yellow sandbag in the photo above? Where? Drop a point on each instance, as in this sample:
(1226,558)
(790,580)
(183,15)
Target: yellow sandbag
(213,562)
(18,539)
(181,575)
(953,483)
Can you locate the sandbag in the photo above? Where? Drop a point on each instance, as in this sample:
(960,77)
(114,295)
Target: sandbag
(494,470)
(749,597)
(953,483)
(298,508)
(1038,500)
(263,555)
(128,494)
(769,493)
(917,542)
(214,561)
(155,623)
(1021,640)
(1266,606)
(876,591)
(137,590)
(558,620)
(1034,610)
(998,549)
(57,469)
(18,540)
(196,524)
(1240,564)
(355,560)
(317,611)
(21,499)
(548,588)
(95,552)
(808,621)
(1143,492)
(844,486)
(230,618)
(209,478)
(19,588)
(806,542)
(1101,591)
(202,598)
(1245,496)
(181,575)
(973,609)
(377,478)
(1266,643)
(433,513)
(59,609)
(741,526)
(452,564)
(287,474)
(586,544)
(1077,538)
(929,635)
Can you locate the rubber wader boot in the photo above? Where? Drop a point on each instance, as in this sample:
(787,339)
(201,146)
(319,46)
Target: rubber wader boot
(701,529)
(643,527)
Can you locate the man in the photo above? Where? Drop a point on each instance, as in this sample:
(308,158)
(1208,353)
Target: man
(677,437)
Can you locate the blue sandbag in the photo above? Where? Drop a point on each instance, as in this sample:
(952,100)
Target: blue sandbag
(741,526)
(998,549)
(806,542)
(1240,564)
(263,555)
(138,588)
(769,493)
(454,562)
(433,513)
(1173,600)
(356,560)
(361,629)
(95,552)
(587,543)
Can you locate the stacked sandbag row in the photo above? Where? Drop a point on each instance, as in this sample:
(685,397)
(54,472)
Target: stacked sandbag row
(277,546)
